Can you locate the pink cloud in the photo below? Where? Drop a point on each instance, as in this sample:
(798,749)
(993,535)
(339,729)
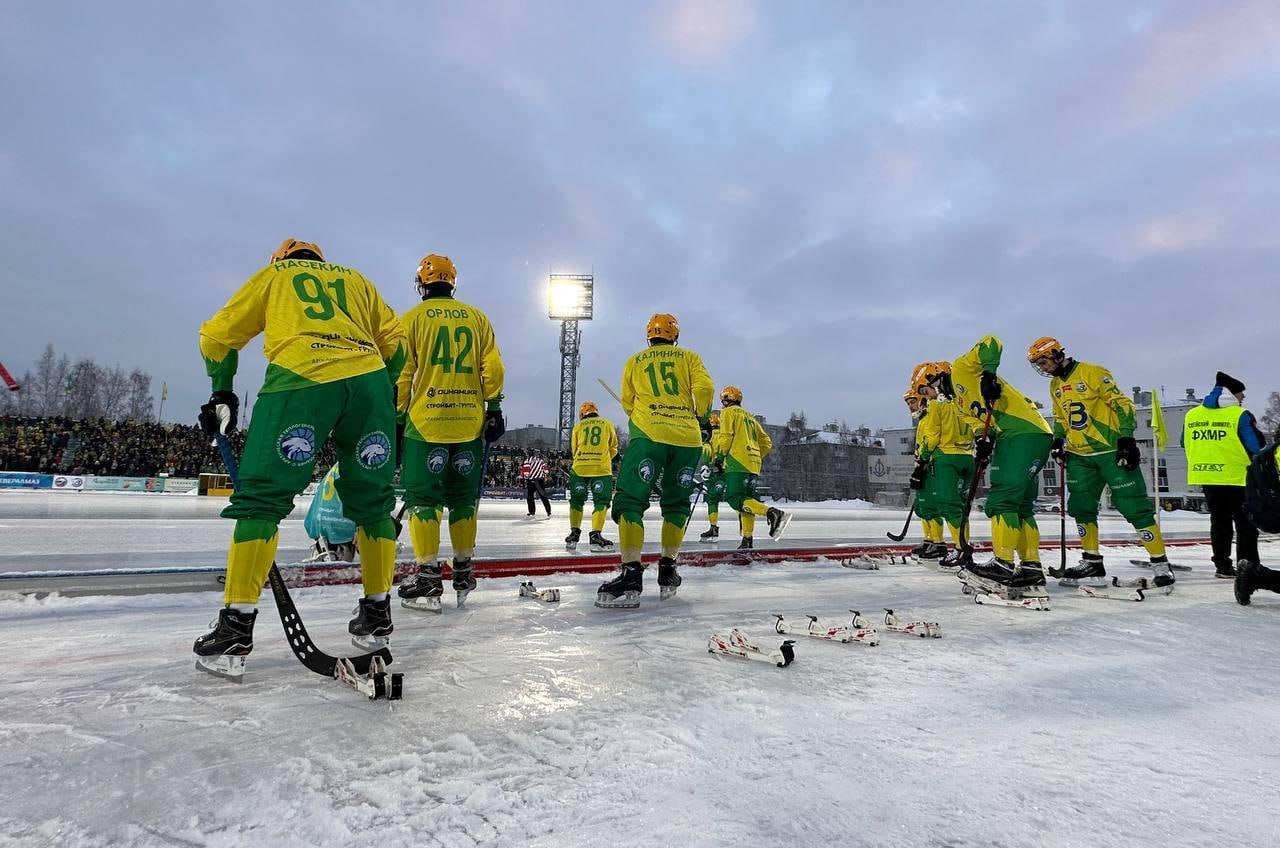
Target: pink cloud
(703,32)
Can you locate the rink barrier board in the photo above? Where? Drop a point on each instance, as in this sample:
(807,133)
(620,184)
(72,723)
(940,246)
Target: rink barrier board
(140,581)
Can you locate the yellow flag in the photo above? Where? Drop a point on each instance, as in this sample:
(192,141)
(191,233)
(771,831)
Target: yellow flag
(164,391)
(1157,421)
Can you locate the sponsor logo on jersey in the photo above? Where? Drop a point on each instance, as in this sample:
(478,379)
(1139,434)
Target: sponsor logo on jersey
(436,460)
(464,462)
(297,444)
(374,450)
(685,478)
(646,470)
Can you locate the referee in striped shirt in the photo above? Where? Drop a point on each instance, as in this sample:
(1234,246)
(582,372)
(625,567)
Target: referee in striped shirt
(534,472)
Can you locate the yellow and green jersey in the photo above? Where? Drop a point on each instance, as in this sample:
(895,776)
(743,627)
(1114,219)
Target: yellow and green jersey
(322,323)
(1014,412)
(594,443)
(1089,409)
(452,371)
(742,442)
(944,429)
(666,390)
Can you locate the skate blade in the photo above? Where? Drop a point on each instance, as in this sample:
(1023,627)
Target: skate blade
(369,644)
(601,549)
(224,666)
(462,597)
(569,547)
(628,600)
(776,533)
(861,564)
(422,604)
(666,593)
(1031,602)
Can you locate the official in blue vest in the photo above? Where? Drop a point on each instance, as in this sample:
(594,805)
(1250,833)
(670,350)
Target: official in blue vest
(1220,438)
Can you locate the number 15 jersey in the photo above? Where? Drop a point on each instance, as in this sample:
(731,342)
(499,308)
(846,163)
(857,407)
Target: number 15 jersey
(665,391)
(322,323)
(452,369)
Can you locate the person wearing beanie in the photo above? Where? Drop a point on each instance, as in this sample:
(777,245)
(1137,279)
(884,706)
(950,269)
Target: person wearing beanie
(1221,437)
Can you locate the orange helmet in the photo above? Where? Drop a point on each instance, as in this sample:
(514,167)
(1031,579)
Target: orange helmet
(588,408)
(663,326)
(730,394)
(927,372)
(715,420)
(435,268)
(1045,347)
(292,247)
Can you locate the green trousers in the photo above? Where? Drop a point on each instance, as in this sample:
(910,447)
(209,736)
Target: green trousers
(1086,477)
(646,461)
(926,499)
(286,433)
(599,488)
(948,485)
(1015,475)
(442,475)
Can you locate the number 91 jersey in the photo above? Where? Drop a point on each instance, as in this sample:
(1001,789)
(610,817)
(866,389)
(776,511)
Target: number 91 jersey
(452,368)
(665,391)
(322,323)
(1089,410)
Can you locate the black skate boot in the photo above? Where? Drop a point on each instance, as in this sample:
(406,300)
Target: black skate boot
(918,550)
(956,560)
(599,542)
(668,579)
(623,591)
(933,551)
(711,535)
(463,580)
(1162,572)
(1089,568)
(371,628)
(1028,575)
(423,591)
(993,576)
(345,552)
(221,651)
(778,521)
(571,541)
(746,544)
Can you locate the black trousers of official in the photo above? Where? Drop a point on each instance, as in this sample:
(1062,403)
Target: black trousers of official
(1226,512)
(532,486)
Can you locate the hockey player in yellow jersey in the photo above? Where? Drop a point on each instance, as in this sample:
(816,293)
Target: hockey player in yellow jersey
(1093,424)
(918,407)
(1014,436)
(594,444)
(666,394)
(713,481)
(451,394)
(333,350)
(740,448)
(945,440)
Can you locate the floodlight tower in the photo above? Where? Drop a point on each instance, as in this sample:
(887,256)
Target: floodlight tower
(570,299)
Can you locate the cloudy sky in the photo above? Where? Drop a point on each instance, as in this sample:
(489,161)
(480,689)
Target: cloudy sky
(823,193)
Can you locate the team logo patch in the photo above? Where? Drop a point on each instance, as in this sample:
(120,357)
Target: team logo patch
(436,460)
(1147,536)
(597,486)
(464,462)
(1081,387)
(685,478)
(580,488)
(1081,530)
(374,450)
(646,470)
(297,444)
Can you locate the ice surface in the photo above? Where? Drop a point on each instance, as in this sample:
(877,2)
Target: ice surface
(1099,723)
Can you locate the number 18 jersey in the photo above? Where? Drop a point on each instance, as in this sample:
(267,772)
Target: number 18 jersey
(665,391)
(452,368)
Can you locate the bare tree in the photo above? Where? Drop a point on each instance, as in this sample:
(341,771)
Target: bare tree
(113,392)
(84,391)
(1270,419)
(141,404)
(49,387)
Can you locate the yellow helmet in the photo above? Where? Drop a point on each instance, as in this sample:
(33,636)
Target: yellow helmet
(1045,347)
(730,394)
(663,326)
(292,247)
(435,268)
(588,408)
(715,420)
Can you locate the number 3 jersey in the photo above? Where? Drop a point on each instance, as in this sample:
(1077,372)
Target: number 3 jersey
(665,391)
(323,323)
(452,371)
(1090,410)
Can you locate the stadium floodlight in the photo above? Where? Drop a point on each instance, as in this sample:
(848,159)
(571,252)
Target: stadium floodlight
(570,297)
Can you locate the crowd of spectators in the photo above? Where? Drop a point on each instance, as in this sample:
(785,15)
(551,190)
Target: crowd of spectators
(147,449)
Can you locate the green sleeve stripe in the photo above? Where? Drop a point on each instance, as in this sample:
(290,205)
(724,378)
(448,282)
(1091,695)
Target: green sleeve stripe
(222,373)
(396,363)
(989,350)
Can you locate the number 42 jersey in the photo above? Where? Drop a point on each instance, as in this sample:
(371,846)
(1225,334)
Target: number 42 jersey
(323,323)
(452,371)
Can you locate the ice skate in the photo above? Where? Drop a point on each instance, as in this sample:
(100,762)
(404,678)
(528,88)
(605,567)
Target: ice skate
(778,521)
(547,596)
(710,535)
(1089,570)
(956,560)
(599,543)
(463,580)
(859,630)
(918,550)
(1162,572)
(668,579)
(571,541)
(738,644)
(995,583)
(623,591)
(932,551)
(1028,574)
(222,651)
(746,544)
(423,592)
(371,628)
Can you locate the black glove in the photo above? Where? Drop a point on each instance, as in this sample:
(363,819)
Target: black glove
(220,413)
(705,426)
(983,446)
(717,465)
(494,425)
(1127,455)
(918,474)
(990,388)
(1059,451)
(399,442)
(1229,383)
